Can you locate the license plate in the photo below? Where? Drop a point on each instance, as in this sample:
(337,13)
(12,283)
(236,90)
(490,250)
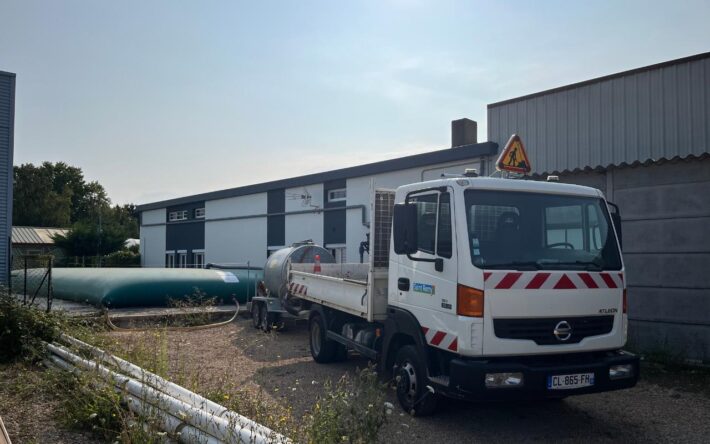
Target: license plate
(563,382)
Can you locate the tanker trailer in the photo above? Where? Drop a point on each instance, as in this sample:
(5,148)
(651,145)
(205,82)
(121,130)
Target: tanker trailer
(275,301)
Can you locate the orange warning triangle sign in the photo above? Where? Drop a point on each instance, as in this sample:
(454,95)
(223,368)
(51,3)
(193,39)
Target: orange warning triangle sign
(514,158)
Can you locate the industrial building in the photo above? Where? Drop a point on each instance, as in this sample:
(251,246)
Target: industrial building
(332,208)
(7,126)
(641,136)
(33,241)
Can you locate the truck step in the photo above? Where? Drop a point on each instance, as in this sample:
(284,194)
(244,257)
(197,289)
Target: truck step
(441,380)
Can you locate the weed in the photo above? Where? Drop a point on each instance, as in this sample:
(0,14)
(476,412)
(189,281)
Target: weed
(256,406)
(195,308)
(87,402)
(352,411)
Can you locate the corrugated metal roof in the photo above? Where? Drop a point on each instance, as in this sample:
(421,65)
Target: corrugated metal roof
(648,114)
(35,235)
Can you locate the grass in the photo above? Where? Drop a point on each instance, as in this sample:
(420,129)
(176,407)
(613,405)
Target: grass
(351,410)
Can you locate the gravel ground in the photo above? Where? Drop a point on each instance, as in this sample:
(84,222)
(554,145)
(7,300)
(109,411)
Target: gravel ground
(664,407)
(677,410)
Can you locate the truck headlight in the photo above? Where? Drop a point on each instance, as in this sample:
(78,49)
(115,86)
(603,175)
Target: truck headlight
(504,380)
(621,371)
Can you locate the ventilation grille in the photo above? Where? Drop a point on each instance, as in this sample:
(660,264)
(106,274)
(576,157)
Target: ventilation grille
(541,330)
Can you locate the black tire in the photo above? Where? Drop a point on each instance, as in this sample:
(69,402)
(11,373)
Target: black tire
(411,379)
(323,350)
(265,318)
(255,315)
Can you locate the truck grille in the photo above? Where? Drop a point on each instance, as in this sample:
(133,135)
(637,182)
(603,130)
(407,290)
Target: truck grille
(541,330)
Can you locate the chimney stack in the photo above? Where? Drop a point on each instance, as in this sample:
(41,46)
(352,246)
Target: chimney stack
(463,132)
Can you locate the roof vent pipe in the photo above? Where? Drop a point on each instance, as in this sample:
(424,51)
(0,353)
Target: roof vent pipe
(463,132)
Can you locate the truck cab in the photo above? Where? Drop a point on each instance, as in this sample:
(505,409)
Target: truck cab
(503,288)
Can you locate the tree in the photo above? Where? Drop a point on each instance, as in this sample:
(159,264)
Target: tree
(36,201)
(86,239)
(127,217)
(56,195)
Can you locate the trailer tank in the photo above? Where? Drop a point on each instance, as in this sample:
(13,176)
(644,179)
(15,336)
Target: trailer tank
(276,269)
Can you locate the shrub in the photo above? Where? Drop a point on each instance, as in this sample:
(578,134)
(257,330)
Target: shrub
(23,329)
(122,258)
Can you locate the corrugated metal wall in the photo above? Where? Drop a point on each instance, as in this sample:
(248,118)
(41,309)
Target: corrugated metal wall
(7,112)
(665,209)
(653,113)
(657,112)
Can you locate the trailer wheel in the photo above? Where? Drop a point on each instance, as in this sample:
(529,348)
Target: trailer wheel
(265,319)
(255,314)
(410,376)
(323,350)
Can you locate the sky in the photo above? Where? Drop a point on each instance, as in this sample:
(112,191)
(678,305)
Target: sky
(161,99)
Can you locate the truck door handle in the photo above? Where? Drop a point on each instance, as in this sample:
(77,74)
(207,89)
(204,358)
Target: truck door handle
(403,284)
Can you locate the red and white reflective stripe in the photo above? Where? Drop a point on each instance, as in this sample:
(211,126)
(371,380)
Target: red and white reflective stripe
(297,289)
(441,339)
(518,280)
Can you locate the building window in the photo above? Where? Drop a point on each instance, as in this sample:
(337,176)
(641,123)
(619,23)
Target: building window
(199,213)
(170,259)
(198,260)
(338,195)
(182,259)
(177,215)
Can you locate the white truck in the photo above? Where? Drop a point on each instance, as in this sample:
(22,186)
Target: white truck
(487,288)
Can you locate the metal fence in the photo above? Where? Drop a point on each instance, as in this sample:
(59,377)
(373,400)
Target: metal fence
(110,261)
(31,279)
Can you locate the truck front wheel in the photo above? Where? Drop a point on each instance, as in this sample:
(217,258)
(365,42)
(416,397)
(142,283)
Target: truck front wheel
(410,377)
(323,349)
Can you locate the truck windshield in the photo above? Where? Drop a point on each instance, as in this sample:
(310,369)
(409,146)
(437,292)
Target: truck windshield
(536,231)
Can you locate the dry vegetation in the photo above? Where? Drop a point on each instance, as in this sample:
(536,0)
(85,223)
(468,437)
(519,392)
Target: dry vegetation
(46,405)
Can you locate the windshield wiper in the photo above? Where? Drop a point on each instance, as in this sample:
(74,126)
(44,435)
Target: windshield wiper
(588,266)
(516,265)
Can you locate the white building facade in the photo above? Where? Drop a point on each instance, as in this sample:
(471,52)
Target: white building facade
(243,225)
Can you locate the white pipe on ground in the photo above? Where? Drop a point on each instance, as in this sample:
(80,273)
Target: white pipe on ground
(213,425)
(185,433)
(176,391)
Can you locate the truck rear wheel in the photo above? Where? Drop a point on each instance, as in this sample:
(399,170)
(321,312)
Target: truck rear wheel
(410,376)
(323,349)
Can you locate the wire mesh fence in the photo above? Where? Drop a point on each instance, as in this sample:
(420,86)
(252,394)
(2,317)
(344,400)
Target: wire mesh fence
(119,259)
(31,279)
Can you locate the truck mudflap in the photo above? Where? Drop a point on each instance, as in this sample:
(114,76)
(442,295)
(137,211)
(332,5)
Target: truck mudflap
(547,378)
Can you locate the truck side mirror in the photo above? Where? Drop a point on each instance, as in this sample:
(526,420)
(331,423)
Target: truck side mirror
(616,218)
(404,228)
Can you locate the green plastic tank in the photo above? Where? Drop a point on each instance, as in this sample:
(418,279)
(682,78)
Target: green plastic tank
(153,287)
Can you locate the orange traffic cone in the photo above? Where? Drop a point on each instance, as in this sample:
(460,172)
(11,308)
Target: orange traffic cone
(316,265)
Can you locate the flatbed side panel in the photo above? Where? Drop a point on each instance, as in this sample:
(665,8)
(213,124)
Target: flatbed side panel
(378,290)
(341,294)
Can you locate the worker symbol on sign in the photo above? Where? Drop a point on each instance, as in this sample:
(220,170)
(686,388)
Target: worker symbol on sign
(513,158)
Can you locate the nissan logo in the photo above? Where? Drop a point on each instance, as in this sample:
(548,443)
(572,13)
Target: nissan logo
(563,331)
